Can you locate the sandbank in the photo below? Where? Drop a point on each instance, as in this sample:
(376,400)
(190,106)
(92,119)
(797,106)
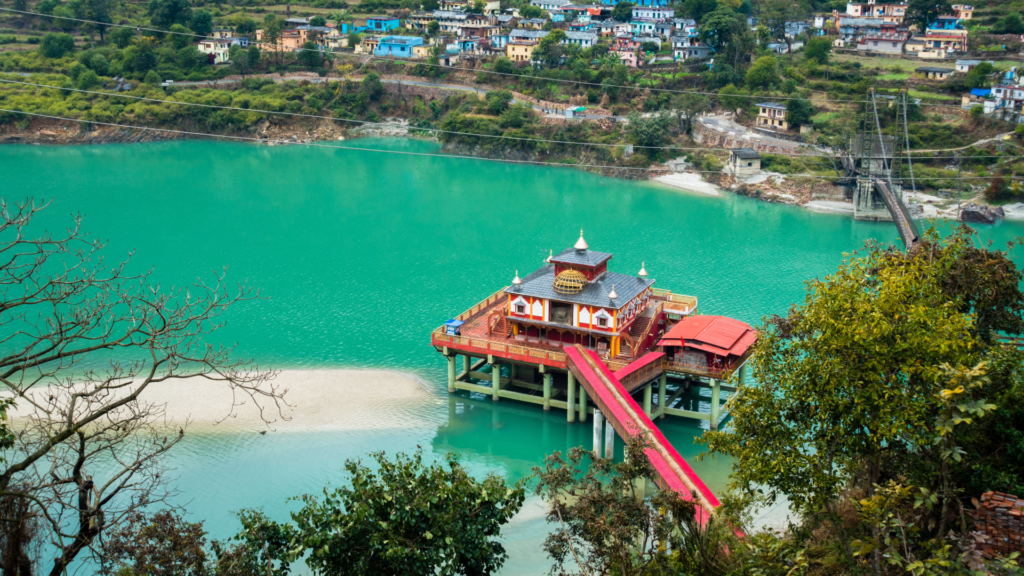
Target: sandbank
(689,181)
(317,400)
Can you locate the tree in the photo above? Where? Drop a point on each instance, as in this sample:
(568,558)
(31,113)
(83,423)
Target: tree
(530,11)
(732,98)
(818,49)
(606,526)
(202,22)
(310,56)
(650,130)
(318,21)
(98,12)
(88,453)
(623,12)
(978,77)
(372,87)
(697,9)
(798,111)
(504,65)
(650,47)
(164,544)
(430,5)
(921,12)
(163,13)
(272,29)
(1009,24)
(763,73)
(688,107)
(774,14)
(718,28)
(407,518)
(550,49)
(88,80)
(179,36)
(854,383)
(99,64)
(498,101)
(253,57)
(353,39)
(433,27)
(56,45)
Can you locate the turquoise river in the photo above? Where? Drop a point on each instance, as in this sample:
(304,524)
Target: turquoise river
(363,253)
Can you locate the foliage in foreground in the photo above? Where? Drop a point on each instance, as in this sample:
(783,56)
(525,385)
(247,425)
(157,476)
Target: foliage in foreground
(886,402)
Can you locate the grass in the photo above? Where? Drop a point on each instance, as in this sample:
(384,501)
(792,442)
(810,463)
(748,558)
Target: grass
(930,95)
(891,76)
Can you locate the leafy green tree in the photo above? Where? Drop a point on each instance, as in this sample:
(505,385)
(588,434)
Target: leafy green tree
(763,73)
(190,57)
(180,36)
(604,524)
(310,56)
(530,11)
(697,9)
(121,37)
(504,65)
(650,47)
(162,544)
(99,64)
(498,101)
(407,518)
(272,29)
(623,12)
(56,45)
(921,12)
(163,13)
(978,77)
(47,6)
(477,7)
(688,107)
(718,28)
(318,21)
(818,49)
(372,87)
(430,5)
(1009,24)
(65,18)
(650,130)
(851,382)
(433,27)
(732,98)
(774,14)
(76,70)
(202,22)
(550,49)
(253,57)
(517,116)
(20,5)
(798,111)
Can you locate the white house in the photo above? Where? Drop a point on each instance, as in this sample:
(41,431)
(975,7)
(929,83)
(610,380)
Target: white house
(550,4)
(653,13)
(216,46)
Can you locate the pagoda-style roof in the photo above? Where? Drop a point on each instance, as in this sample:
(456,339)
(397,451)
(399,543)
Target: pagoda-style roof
(574,257)
(716,334)
(540,284)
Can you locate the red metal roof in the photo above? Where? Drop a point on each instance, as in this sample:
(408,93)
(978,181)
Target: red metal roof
(716,334)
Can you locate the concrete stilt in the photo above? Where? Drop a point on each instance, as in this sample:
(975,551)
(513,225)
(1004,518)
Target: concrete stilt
(495,381)
(451,372)
(716,388)
(570,408)
(583,404)
(647,399)
(598,425)
(609,441)
(512,371)
(547,391)
(662,394)
(467,364)
(743,374)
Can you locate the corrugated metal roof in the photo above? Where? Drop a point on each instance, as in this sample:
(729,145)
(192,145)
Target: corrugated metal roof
(716,334)
(540,284)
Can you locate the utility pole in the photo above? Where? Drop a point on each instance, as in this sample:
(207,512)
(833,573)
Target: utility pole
(956,158)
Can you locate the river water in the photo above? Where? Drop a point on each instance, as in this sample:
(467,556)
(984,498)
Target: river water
(362,254)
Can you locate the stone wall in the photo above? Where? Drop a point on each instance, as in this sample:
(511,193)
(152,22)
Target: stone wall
(711,138)
(999,518)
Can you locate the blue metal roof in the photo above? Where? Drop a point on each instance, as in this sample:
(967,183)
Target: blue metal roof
(983,92)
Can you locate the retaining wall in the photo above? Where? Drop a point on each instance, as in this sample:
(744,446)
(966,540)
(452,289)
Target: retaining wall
(999,518)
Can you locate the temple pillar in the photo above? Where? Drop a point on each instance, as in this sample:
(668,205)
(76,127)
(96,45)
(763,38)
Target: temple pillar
(609,441)
(583,404)
(716,388)
(451,373)
(570,401)
(647,399)
(598,425)
(547,391)
(662,394)
(495,381)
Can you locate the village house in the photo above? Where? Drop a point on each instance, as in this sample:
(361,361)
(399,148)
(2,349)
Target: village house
(550,5)
(684,47)
(382,23)
(581,39)
(642,27)
(533,23)
(397,46)
(965,66)
(772,115)
(1008,96)
(889,40)
(933,73)
(628,57)
(216,47)
(891,13)
(652,13)
(744,162)
(963,11)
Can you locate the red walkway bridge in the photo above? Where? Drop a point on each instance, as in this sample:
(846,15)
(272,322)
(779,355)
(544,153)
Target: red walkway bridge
(671,472)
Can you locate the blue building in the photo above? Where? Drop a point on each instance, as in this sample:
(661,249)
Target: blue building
(397,46)
(346,27)
(945,23)
(650,3)
(382,24)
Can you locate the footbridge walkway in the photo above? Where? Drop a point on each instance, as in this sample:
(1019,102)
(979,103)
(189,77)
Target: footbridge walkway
(900,214)
(628,419)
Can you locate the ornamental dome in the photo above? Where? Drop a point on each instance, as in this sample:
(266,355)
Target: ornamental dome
(581,244)
(570,282)
(643,270)
(516,281)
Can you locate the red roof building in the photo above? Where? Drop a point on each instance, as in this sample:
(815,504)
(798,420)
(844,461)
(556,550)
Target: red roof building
(713,343)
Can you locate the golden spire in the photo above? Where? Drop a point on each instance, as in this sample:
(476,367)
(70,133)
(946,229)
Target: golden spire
(516,281)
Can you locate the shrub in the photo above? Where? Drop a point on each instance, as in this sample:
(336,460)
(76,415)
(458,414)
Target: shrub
(88,80)
(56,45)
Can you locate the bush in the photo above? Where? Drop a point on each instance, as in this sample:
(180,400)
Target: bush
(88,80)
(56,45)
(153,78)
(76,70)
(99,64)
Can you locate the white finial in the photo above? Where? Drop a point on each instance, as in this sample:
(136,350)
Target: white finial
(643,270)
(551,254)
(581,244)
(612,295)
(516,281)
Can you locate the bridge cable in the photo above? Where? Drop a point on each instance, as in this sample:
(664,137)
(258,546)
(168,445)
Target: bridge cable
(906,134)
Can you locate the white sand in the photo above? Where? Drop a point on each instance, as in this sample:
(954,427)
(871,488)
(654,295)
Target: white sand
(689,181)
(316,400)
(830,206)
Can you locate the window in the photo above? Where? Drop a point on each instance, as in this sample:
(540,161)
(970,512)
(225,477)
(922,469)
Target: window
(520,309)
(602,322)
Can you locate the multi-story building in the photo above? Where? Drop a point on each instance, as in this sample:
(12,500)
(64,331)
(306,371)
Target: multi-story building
(217,47)
(891,13)
(397,46)
(684,47)
(652,13)
(520,49)
(1008,96)
(963,11)
(772,115)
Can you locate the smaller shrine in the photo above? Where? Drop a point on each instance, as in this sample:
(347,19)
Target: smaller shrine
(711,344)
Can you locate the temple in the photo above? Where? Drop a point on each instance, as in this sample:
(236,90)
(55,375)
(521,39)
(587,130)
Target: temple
(653,342)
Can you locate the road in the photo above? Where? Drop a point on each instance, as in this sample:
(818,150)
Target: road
(724,124)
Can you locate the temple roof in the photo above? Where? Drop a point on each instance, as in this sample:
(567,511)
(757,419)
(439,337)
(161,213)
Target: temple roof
(540,284)
(716,334)
(574,257)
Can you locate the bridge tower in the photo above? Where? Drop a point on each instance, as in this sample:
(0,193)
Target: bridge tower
(872,150)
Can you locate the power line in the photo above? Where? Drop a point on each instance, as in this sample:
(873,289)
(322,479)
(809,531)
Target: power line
(670,90)
(437,130)
(422,154)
